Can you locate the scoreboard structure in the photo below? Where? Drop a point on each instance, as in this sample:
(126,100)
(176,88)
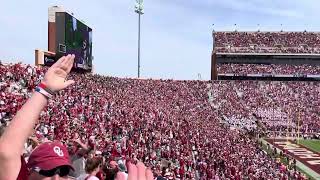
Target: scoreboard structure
(66,35)
(74,37)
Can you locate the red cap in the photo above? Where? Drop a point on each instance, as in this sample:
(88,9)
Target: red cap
(49,155)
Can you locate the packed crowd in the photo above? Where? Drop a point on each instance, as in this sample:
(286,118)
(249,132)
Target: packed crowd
(276,105)
(267,42)
(274,50)
(171,126)
(283,69)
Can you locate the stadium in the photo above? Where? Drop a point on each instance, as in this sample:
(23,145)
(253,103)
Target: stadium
(258,117)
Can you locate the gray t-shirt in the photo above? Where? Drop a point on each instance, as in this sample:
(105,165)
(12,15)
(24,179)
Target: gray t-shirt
(78,163)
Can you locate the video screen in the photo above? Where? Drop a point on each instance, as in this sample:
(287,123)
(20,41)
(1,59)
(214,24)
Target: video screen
(78,41)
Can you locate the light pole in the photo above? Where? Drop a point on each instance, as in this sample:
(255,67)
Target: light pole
(139,10)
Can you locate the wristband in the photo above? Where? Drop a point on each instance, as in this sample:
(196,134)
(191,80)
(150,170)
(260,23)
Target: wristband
(43,92)
(43,86)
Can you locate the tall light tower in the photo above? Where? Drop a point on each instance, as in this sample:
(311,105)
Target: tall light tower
(139,10)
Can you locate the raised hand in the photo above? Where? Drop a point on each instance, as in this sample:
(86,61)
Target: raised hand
(55,78)
(136,172)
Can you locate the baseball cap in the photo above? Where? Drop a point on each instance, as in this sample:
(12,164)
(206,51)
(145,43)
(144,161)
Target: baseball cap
(48,156)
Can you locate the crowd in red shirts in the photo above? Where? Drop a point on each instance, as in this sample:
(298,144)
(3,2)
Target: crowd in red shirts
(277,69)
(172,126)
(276,105)
(267,42)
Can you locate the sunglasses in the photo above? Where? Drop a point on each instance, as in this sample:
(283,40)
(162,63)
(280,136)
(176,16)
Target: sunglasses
(62,171)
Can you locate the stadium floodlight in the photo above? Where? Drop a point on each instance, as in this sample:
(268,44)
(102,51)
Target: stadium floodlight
(140,11)
(139,7)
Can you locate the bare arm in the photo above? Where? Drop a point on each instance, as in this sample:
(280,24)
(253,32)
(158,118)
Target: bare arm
(83,146)
(14,137)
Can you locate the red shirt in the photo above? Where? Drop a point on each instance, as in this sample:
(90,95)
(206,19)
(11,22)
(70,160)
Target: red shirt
(24,173)
(99,175)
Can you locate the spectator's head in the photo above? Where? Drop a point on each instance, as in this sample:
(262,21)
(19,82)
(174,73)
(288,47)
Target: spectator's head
(110,172)
(113,164)
(50,159)
(93,165)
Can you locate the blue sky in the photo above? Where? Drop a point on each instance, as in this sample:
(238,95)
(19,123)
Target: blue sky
(176,34)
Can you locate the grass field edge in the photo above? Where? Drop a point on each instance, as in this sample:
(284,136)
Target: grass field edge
(311,144)
(300,166)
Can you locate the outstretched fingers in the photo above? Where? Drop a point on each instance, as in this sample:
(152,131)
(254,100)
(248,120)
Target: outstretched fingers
(132,172)
(68,83)
(136,172)
(70,62)
(66,64)
(59,62)
(120,176)
(141,171)
(149,174)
